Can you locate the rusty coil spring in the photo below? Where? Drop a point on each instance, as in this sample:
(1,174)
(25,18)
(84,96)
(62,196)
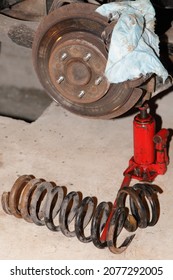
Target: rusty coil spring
(38,201)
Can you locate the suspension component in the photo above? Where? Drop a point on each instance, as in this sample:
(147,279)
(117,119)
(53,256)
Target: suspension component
(41,202)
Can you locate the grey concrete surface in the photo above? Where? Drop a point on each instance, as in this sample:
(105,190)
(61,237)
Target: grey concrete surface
(18,81)
(84,155)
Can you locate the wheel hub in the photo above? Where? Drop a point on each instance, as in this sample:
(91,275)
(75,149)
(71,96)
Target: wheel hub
(77,73)
(76,68)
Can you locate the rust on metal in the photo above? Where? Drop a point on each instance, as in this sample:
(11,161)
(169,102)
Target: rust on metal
(116,225)
(41,202)
(22,35)
(70,56)
(30,10)
(75,66)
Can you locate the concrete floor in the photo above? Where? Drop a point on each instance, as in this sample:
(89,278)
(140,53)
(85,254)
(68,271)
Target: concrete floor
(18,81)
(84,155)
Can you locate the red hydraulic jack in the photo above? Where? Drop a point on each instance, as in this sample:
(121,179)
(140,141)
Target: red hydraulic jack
(150,159)
(150,149)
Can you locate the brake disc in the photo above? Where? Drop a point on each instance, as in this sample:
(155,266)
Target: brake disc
(70,57)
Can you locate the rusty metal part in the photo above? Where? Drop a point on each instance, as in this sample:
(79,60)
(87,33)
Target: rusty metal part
(5,202)
(99,220)
(116,225)
(162,87)
(27,193)
(148,89)
(58,3)
(11,200)
(144,204)
(22,35)
(69,56)
(38,201)
(42,202)
(29,10)
(107,34)
(141,210)
(76,68)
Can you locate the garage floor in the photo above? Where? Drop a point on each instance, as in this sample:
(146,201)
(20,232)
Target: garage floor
(84,155)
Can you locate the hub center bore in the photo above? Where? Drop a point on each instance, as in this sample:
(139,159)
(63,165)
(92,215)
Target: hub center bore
(77,73)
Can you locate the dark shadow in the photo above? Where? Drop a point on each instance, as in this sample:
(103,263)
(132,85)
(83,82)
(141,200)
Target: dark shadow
(158,119)
(164,18)
(165,53)
(169,140)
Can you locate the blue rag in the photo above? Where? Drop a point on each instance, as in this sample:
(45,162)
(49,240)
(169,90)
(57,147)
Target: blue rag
(134,46)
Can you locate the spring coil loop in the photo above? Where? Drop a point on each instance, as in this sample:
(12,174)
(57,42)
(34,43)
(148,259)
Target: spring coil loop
(40,202)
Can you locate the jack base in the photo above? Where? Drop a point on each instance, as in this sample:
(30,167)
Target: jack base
(145,172)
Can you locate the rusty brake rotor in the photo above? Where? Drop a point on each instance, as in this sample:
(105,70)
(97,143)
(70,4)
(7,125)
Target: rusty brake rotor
(70,57)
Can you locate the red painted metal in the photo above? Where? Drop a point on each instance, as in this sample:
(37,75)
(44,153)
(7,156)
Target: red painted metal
(150,152)
(144,130)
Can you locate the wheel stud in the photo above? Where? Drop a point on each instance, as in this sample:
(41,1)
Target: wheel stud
(64,56)
(81,94)
(60,79)
(98,81)
(87,57)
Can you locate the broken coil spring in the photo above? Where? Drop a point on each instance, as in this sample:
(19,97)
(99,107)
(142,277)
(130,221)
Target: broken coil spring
(38,201)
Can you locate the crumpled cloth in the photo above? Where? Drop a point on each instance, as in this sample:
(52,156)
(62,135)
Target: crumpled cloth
(134,46)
